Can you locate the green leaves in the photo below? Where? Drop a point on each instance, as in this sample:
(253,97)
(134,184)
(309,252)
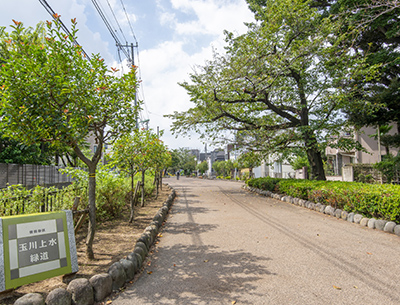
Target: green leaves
(49,89)
(140,151)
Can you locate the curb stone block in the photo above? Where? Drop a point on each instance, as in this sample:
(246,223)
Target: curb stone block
(139,260)
(350,217)
(149,237)
(142,245)
(132,257)
(328,210)
(380,224)
(344,215)
(358,218)
(396,230)
(30,299)
(364,222)
(145,238)
(154,223)
(389,227)
(59,296)
(338,213)
(81,292)
(118,275)
(322,208)
(129,268)
(141,252)
(371,223)
(102,286)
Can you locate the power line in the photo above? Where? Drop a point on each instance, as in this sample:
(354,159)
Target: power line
(53,14)
(117,41)
(129,22)
(116,20)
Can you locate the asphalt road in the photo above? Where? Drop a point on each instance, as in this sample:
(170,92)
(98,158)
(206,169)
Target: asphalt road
(223,245)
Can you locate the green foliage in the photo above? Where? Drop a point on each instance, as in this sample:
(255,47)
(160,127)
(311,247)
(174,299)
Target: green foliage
(202,167)
(50,92)
(299,162)
(372,200)
(16,199)
(267,183)
(183,160)
(218,167)
(278,87)
(12,151)
(390,168)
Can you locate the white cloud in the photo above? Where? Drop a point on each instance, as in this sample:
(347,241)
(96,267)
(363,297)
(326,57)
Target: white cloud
(212,16)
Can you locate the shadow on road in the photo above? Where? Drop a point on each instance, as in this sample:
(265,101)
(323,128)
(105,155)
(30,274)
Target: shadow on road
(200,275)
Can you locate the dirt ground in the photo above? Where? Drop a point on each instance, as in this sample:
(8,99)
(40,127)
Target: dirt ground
(114,240)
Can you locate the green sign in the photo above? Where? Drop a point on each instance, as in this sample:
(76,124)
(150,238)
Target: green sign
(36,247)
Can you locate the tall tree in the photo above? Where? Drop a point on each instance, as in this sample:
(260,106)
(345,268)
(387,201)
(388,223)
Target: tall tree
(278,87)
(376,35)
(51,93)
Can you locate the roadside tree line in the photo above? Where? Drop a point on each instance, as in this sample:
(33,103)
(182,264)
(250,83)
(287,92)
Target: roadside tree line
(52,96)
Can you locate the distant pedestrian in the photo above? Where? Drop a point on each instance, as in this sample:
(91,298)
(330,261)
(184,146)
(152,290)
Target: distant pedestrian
(177,175)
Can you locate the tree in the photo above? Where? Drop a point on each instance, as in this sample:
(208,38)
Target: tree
(249,160)
(218,167)
(202,167)
(12,151)
(140,151)
(278,87)
(375,33)
(182,159)
(51,93)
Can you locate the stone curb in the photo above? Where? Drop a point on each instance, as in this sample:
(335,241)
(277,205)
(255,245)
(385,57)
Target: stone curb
(372,223)
(98,287)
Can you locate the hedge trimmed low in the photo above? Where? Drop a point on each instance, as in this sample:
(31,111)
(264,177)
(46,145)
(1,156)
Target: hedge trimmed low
(371,200)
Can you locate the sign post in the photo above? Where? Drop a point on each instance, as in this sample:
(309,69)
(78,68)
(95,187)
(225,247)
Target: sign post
(35,247)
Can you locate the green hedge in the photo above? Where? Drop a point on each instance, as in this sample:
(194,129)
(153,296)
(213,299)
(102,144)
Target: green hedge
(371,200)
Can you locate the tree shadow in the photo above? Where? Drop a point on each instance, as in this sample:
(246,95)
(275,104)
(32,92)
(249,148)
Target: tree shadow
(183,274)
(189,228)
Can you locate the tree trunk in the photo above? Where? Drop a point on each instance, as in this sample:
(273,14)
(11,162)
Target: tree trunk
(143,177)
(314,156)
(92,165)
(92,211)
(132,203)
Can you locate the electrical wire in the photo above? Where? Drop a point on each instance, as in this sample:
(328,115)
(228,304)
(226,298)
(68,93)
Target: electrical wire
(103,17)
(116,20)
(129,22)
(65,29)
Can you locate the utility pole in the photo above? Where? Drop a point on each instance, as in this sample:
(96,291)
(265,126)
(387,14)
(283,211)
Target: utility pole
(131,58)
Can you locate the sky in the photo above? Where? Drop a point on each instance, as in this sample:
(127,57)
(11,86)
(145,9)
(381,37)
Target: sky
(173,36)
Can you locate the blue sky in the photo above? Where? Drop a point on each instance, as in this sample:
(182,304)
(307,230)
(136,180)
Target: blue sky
(173,36)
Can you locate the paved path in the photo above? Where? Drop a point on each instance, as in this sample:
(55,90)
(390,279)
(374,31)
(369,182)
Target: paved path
(223,245)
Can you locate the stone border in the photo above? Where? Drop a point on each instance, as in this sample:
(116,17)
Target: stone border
(86,292)
(372,223)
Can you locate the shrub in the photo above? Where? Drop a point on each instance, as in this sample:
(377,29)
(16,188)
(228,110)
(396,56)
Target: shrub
(267,183)
(371,200)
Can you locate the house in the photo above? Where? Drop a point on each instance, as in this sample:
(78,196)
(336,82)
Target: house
(273,167)
(374,152)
